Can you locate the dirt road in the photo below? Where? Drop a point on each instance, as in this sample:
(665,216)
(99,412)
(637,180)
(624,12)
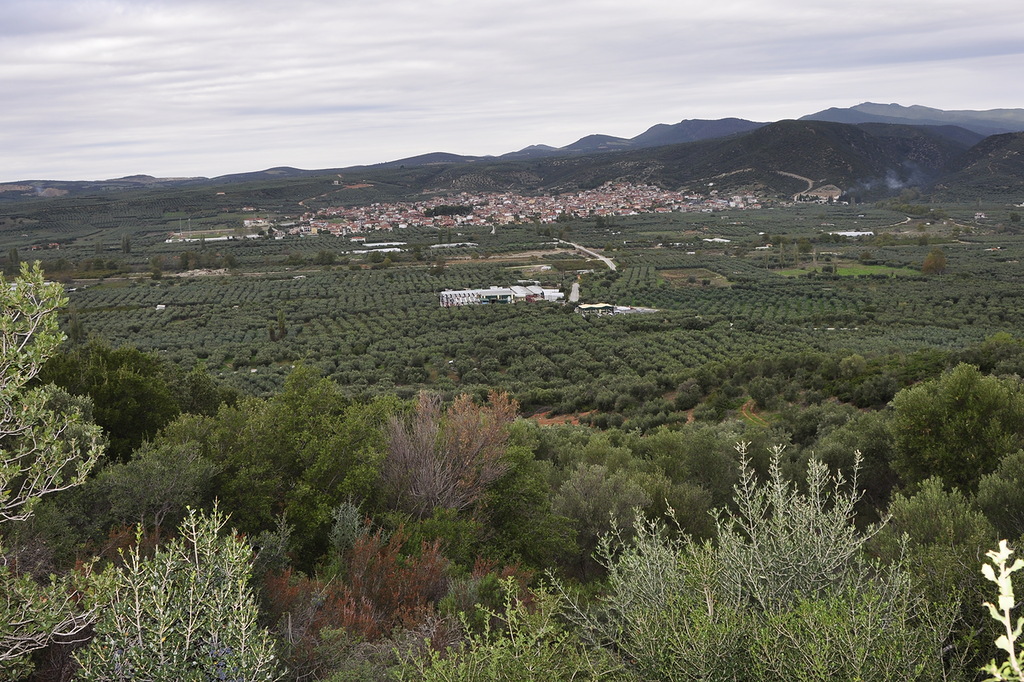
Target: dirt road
(592,254)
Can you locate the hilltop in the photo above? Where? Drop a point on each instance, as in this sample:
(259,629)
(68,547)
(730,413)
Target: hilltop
(991,122)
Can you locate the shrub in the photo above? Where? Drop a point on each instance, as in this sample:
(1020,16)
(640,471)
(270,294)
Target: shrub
(1002,613)
(185,614)
(528,642)
(786,594)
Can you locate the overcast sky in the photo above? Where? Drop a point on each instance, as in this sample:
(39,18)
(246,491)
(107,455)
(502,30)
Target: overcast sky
(94,89)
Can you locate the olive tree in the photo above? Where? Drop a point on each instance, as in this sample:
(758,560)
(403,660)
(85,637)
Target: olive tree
(957,427)
(46,445)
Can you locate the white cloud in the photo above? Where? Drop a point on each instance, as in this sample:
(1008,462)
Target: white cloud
(98,88)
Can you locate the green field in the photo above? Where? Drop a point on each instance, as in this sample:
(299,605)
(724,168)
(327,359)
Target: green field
(853,271)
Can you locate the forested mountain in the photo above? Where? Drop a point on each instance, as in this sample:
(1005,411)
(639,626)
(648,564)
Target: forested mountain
(692,130)
(656,136)
(873,157)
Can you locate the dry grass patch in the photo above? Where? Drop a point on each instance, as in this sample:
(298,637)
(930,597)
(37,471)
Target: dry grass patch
(693,277)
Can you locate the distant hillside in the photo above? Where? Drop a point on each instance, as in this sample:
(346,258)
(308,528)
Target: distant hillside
(278,173)
(770,159)
(656,136)
(995,165)
(48,189)
(732,153)
(991,122)
(959,136)
(428,159)
(853,158)
(692,131)
(597,143)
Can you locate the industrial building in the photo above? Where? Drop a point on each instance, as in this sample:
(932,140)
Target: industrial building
(513,294)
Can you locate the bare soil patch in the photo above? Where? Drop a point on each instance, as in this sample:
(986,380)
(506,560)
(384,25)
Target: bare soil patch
(547,419)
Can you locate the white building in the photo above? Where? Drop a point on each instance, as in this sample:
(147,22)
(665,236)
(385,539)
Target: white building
(513,294)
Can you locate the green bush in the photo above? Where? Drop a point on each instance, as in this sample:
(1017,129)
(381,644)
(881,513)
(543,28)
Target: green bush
(785,595)
(957,427)
(526,643)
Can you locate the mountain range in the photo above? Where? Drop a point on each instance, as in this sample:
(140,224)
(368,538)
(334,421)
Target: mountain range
(867,149)
(991,122)
(981,123)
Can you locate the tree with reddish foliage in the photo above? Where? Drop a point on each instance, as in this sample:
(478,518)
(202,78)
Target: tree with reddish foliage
(446,458)
(387,590)
(380,590)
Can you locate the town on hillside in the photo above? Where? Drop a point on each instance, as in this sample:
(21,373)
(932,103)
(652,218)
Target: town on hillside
(490,209)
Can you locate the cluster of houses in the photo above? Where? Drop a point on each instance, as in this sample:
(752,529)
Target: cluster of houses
(513,294)
(490,209)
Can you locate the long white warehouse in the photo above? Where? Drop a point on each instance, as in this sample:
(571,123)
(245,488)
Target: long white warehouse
(513,294)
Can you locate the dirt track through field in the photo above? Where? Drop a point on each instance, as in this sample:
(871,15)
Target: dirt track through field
(748,412)
(810,183)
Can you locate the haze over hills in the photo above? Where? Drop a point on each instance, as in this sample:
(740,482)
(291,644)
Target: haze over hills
(867,154)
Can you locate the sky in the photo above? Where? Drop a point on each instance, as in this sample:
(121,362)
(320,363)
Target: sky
(97,89)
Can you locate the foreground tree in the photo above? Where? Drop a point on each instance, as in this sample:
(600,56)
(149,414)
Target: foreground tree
(957,427)
(129,389)
(935,262)
(46,445)
(300,453)
(1001,496)
(942,534)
